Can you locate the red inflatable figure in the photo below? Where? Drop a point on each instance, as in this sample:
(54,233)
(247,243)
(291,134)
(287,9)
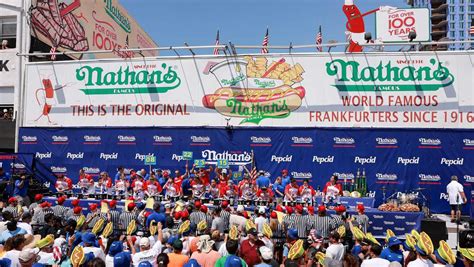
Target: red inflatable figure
(355,25)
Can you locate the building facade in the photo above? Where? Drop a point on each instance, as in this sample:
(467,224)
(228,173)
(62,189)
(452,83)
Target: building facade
(450,19)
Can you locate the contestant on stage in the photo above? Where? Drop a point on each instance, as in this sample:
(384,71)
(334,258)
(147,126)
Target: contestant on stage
(278,188)
(63,184)
(223,174)
(247,188)
(198,188)
(172,190)
(104,184)
(205,175)
(265,194)
(306,191)
(138,186)
(229,191)
(121,186)
(332,190)
(152,187)
(86,183)
(213,190)
(178,178)
(291,190)
(285,178)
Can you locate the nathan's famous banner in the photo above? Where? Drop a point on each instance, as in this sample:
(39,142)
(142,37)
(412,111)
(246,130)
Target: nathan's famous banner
(423,90)
(399,160)
(92,25)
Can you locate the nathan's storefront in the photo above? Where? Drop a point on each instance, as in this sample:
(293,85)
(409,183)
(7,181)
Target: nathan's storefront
(403,121)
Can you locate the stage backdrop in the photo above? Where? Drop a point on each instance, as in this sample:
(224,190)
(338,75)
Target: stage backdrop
(390,90)
(400,160)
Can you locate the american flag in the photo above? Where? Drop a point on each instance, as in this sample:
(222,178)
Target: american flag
(53,50)
(216,50)
(471,29)
(265,44)
(126,43)
(319,40)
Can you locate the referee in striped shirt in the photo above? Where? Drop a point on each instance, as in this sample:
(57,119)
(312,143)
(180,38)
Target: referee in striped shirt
(59,210)
(301,222)
(114,213)
(289,219)
(128,216)
(12,207)
(338,218)
(197,215)
(225,215)
(323,223)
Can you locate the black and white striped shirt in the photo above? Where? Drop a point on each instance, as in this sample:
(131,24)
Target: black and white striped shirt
(95,219)
(197,216)
(115,217)
(225,215)
(60,211)
(38,216)
(363,221)
(301,224)
(126,218)
(13,211)
(337,220)
(323,225)
(289,221)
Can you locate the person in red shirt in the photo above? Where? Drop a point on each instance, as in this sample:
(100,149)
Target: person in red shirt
(265,194)
(229,190)
(306,191)
(247,188)
(63,184)
(86,183)
(152,187)
(249,248)
(205,175)
(178,178)
(138,187)
(332,189)
(223,174)
(214,190)
(105,183)
(291,190)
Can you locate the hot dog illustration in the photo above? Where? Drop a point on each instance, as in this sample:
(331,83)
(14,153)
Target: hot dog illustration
(355,25)
(255,89)
(47,99)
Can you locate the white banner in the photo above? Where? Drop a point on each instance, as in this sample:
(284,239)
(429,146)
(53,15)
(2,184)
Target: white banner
(8,68)
(394,25)
(399,90)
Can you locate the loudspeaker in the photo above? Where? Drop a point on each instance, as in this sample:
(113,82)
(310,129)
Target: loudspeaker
(436,229)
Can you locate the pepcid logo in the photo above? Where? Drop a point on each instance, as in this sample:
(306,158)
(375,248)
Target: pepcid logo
(279,159)
(126,138)
(386,141)
(429,141)
(162,139)
(46,155)
(345,176)
(56,169)
(92,139)
(362,160)
(75,156)
(91,170)
(386,176)
(302,141)
(344,141)
(59,139)
(444,196)
(177,157)
(468,178)
(200,139)
(260,140)
(408,161)
(29,139)
(449,162)
(111,156)
(321,160)
(141,157)
(302,175)
(429,177)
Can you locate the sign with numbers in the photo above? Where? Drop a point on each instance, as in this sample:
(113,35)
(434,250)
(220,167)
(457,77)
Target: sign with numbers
(187,155)
(222,163)
(199,163)
(150,160)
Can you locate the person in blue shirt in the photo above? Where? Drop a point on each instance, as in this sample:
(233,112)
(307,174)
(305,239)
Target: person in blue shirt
(156,216)
(393,251)
(120,171)
(285,178)
(5,188)
(12,230)
(21,188)
(187,185)
(160,178)
(262,180)
(278,188)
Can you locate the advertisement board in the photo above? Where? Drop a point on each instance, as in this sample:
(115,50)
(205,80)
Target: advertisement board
(394,25)
(8,68)
(395,90)
(398,160)
(93,25)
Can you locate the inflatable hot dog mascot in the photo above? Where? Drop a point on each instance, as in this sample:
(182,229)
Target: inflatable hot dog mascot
(255,89)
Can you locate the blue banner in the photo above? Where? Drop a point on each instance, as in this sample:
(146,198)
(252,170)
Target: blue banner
(398,160)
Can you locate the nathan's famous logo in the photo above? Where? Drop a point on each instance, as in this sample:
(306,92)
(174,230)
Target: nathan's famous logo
(255,89)
(127,81)
(387,77)
(117,16)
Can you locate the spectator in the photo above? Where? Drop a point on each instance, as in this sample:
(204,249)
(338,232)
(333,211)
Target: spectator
(12,230)
(148,253)
(26,223)
(249,248)
(90,240)
(266,257)
(335,250)
(263,180)
(217,223)
(375,260)
(4,44)
(260,220)
(232,259)
(393,252)
(205,256)
(176,259)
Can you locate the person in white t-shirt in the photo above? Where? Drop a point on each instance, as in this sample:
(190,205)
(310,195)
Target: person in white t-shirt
(456,197)
(148,253)
(335,251)
(260,220)
(374,260)
(89,240)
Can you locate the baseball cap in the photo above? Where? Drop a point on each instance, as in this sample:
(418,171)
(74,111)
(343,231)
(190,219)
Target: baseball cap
(131,206)
(122,259)
(144,242)
(233,261)
(113,203)
(75,202)
(38,197)
(61,200)
(321,208)
(311,210)
(12,199)
(240,208)
(360,208)
(273,215)
(252,231)
(5,262)
(392,241)
(77,210)
(293,234)
(115,248)
(89,237)
(261,210)
(299,208)
(28,254)
(178,245)
(266,253)
(192,263)
(145,264)
(93,207)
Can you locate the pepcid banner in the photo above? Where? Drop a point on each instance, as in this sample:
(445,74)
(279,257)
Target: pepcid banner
(412,90)
(397,160)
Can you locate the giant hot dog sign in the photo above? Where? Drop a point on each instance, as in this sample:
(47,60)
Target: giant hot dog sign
(390,90)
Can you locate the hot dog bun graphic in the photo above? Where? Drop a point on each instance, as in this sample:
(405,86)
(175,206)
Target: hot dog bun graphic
(255,89)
